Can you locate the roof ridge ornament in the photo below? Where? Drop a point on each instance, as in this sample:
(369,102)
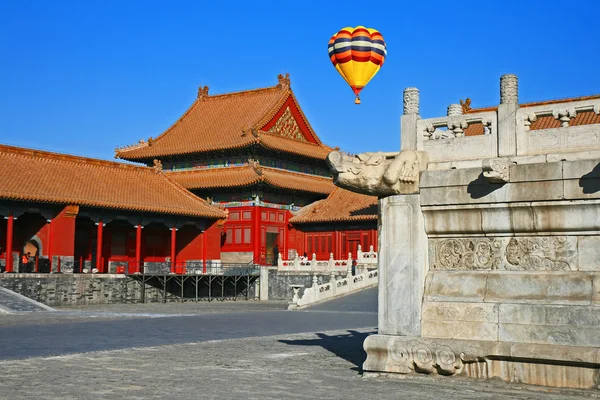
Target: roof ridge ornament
(158,166)
(466,105)
(255,164)
(284,81)
(202,92)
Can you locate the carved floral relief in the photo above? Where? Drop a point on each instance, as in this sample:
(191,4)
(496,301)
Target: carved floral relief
(467,254)
(537,253)
(425,357)
(549,253)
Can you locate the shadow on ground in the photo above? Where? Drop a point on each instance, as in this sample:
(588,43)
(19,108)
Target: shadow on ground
(347,346)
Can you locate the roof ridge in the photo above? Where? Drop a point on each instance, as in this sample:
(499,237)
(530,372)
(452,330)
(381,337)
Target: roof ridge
(143,143)
(540,103)
(272,112)
(245,166)
(50,155)
(242,92)
(310,128)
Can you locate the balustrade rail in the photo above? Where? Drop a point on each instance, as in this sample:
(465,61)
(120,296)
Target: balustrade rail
(334,288)
(363,258)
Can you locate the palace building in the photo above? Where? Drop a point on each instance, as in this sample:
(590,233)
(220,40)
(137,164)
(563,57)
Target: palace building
(239,178)
(75,213)
(255,154)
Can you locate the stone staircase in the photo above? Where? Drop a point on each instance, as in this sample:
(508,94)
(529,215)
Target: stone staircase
(11,302)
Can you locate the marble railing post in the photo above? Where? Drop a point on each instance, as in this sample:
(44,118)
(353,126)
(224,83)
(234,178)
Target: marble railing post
(403,265)
(264,283)
(408,121)
(507,115)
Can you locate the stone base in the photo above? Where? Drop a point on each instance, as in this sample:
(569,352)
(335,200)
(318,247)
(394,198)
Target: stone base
(535,364)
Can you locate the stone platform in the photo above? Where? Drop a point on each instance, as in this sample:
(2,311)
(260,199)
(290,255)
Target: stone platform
(537,364)
(489,262)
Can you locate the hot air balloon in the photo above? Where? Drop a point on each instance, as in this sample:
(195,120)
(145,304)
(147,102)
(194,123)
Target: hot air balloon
(357,54)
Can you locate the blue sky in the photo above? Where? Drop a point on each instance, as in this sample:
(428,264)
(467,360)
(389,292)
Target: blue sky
(83,77)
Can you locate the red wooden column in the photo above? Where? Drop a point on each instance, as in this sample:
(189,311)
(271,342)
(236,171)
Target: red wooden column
(173,245)
(99,265)
(203,235)
(138,247)
(336,241)
(256,230)
(9,242)
(50,243)
(285,245)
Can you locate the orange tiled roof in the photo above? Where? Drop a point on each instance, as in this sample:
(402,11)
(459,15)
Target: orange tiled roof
(474,129)
(40,176)
(250,175)
(219,122)
(295,181)
(581,118)
(276,142)
(539,103)
(213,178)
(341,206)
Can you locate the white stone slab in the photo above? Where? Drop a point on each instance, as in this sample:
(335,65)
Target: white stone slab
(471,312)
(563,335)
(456,286)
(536,287)
(460,330)
(402,265)
(553,315)
(589,253)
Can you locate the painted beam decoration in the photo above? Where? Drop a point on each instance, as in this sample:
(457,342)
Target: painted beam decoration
(357,54)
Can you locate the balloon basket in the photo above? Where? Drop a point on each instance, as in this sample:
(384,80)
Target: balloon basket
(357,100)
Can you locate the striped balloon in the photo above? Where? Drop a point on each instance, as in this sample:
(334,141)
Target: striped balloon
(357,54)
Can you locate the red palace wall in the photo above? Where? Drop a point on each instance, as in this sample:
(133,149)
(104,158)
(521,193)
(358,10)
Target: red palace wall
(247,229)
(338,242)
(74,237)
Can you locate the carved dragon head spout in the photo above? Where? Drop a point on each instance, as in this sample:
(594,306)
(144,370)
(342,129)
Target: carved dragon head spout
(378,174)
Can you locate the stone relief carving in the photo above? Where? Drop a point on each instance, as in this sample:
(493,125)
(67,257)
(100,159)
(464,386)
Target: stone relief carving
(426,358)
(509,89)
(467,254)
(543,253)
(378,173)
(287,126)
(540,253)
(496,170)
(411,101)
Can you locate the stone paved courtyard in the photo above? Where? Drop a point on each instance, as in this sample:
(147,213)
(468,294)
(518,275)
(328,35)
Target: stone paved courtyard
(241,350)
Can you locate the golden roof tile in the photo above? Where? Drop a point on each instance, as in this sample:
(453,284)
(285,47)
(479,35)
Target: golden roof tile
(219,122)
(41,176)
(213,178)
(296,181)
(340,206)
(275,142)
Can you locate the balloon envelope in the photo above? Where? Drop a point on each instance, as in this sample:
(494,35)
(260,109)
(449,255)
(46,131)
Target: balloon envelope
(357,54)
